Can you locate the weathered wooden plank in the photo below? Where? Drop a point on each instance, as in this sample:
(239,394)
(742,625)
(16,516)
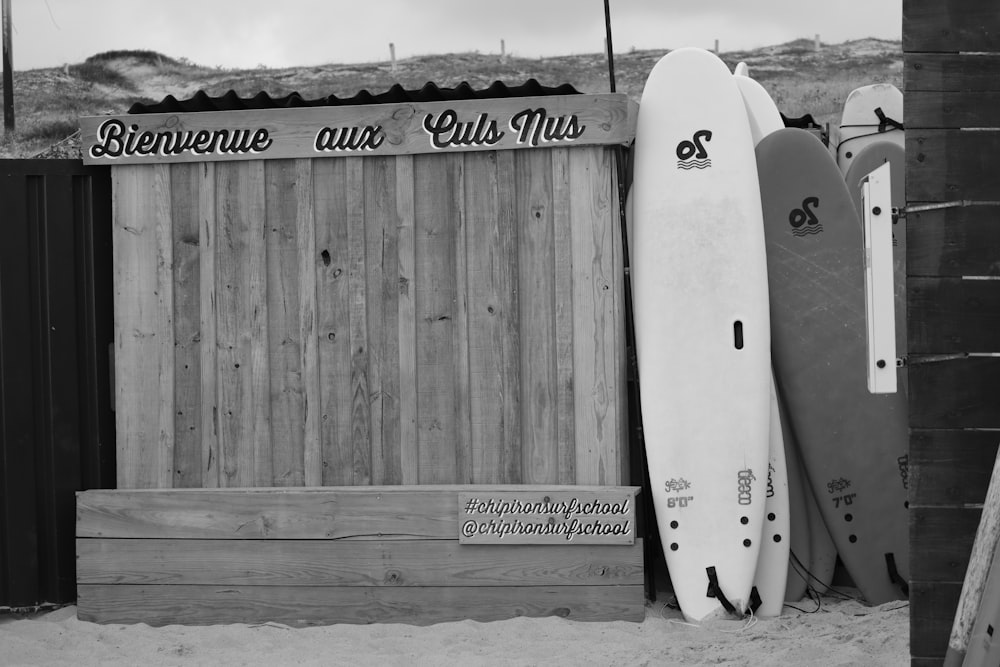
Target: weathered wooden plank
(954,393)
(968,72)
(144,354)
(185,184)
(306,258)
(352,563)
(361,414)
(960,241)
(349,512)
(941,539)
(947,165)
(508,308)
(332,297)
(284,354)
(409,451)
(932,611)
(953,315)
(952,109)
(437,217)
(950,468)
(208,314)
(597,303)
(568,375)
(932,25)
(303,606)
(244,386)
(381,218)
(536,299)
(492,329)
(460,332)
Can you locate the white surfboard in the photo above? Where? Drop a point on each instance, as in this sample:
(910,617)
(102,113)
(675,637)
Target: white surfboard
(871,113)
(771,577)
(699,277)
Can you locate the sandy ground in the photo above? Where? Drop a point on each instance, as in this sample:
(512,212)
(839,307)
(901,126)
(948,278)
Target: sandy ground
(834,632)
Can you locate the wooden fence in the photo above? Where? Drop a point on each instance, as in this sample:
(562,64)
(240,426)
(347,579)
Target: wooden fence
(952,117)
(440,302)
(381,320)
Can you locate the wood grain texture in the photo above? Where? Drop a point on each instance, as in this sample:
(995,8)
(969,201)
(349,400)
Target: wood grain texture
(284,353)
(333,315)
(598,321)
(954,242)
(437,186)
(568,441)
(298,606)
(185,185)
(536,299)
(208,318)
(955,393)
(244,384)
(952,109)
(933,607)
(144,329)
(953,315)
(351,512)
(419,319)
(409,450)
(390,563)
(945,536)
(307,261)
(950,468)
(954,72)
(493,340)
(963,25)
(947,165)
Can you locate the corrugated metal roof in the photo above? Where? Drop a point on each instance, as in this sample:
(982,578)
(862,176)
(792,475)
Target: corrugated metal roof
(431,92)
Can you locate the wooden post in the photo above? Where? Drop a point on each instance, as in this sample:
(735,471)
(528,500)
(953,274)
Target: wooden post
(983,550)
(716,47)
(392,55)
(503,50)
(816,43)
(8,72)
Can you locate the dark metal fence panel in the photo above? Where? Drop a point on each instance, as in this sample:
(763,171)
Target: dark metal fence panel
(56,425)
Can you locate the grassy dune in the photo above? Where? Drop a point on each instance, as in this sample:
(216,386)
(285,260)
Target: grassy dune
(48,102)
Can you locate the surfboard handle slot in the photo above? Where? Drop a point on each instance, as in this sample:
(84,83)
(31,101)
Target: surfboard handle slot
(738,334)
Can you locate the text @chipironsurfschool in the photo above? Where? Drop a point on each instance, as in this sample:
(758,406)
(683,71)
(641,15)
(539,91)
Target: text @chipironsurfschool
(511,527)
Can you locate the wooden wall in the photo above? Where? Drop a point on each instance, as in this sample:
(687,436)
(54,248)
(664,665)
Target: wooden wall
(952,117)
(417,319)
(346,555)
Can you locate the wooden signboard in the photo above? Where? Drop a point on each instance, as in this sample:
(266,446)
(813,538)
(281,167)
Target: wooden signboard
(365,130)
(576,516)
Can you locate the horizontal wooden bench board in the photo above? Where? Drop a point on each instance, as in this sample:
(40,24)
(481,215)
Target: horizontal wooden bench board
(376,513)
(322,605)
(352,563)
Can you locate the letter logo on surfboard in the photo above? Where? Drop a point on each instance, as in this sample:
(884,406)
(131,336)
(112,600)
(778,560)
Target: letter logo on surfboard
(803,220)
(691,153)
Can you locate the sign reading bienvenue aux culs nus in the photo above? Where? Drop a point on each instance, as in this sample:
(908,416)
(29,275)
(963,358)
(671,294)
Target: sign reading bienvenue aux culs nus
(384,129)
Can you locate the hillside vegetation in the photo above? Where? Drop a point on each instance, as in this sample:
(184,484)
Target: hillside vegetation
(49,102)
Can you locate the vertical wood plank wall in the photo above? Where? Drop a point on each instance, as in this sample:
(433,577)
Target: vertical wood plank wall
(952,118)
(423,319)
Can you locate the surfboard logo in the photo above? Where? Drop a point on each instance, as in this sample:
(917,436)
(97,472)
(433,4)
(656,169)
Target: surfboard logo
(803,220)
(743,486)
(691,153)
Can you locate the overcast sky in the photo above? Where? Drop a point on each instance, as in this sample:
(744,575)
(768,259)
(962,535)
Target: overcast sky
(282,33)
